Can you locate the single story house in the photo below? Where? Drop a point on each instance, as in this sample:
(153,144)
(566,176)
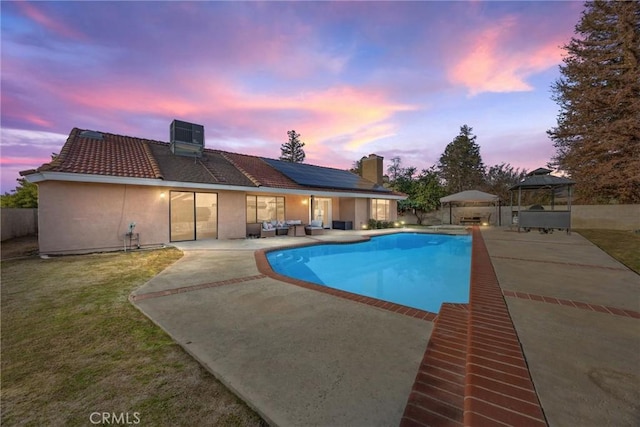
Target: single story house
(107,192)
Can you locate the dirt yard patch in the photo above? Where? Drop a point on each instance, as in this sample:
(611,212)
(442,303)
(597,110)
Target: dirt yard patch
(19,247)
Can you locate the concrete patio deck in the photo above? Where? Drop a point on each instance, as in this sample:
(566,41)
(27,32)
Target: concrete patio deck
(302,357)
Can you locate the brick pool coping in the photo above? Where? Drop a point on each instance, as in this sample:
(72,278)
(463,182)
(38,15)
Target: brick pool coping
(474,372)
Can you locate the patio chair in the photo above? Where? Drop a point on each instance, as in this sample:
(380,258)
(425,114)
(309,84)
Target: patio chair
(314,229)
(253,230)
(267,230)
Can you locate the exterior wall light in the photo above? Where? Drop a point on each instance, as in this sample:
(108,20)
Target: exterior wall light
(162,194)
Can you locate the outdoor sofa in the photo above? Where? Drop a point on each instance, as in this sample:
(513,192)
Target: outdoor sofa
(273,228)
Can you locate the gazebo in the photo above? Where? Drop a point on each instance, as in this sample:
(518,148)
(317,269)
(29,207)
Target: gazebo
(470,196)
(536,216)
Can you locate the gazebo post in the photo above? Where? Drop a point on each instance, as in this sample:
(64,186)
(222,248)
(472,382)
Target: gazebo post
(569,206)
(519,201)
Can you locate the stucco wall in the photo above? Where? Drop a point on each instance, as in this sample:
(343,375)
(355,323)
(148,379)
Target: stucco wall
(347,210)
(611,217)
(18,222)
(81,217)
(297,207)
(78,217)
(393,210)
(361,213)
(335,210)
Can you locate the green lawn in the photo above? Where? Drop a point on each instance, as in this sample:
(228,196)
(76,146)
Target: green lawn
(621,245)
(72,344)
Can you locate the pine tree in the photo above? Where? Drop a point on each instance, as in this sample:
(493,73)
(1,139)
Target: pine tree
(597,138)
(460,165)
(292,150)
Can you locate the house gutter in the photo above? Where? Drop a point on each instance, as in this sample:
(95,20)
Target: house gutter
(104,179)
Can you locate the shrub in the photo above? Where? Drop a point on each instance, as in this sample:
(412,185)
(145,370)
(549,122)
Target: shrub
(374,224)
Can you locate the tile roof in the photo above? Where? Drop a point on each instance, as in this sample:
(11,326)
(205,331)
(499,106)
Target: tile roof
(112,155)
(260,172)
(211,168)
(100,153)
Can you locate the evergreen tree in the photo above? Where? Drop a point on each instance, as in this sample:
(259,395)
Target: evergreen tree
(460,166)
(292,150)
(597,138)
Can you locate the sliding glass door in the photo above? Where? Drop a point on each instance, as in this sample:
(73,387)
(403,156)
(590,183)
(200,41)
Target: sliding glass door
(322,211)
(194,216)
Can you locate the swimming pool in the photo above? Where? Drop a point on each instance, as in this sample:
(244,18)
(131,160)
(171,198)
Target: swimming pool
(413,269)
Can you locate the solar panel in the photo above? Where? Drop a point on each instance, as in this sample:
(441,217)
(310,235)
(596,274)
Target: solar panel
(317,176)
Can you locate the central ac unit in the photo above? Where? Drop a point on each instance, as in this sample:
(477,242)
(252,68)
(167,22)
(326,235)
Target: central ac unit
(187,132)
(187,139)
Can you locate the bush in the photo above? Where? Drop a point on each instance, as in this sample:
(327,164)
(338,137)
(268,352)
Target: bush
(374,224)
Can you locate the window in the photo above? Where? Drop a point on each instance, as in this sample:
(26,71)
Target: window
(380,209)
(264,208)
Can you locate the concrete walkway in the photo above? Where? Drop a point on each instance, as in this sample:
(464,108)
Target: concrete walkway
(296,356)
(575,310)
(301,357)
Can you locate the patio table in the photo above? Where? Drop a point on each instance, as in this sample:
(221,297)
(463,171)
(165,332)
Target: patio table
(296,230)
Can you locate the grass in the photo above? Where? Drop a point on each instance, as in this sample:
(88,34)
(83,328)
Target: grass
(72,344)
(621,245)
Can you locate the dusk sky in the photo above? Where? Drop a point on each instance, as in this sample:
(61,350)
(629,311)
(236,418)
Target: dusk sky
(353,78)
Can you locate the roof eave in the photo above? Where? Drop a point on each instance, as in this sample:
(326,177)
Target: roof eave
(150,182)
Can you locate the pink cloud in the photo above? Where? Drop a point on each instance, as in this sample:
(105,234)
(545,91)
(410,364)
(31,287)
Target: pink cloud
(494,62)
(360,116)
(35,14)
(22,161)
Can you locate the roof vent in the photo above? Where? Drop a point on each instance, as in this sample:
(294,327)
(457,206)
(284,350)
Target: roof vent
(91,134)
(187,139)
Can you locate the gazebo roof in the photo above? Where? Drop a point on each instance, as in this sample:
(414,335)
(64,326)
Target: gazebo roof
(470,196)
(542,178)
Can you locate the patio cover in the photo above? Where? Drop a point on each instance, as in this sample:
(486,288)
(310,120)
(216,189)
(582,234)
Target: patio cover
(470,196)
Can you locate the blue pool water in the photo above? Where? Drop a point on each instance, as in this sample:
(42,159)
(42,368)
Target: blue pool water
(412,269)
